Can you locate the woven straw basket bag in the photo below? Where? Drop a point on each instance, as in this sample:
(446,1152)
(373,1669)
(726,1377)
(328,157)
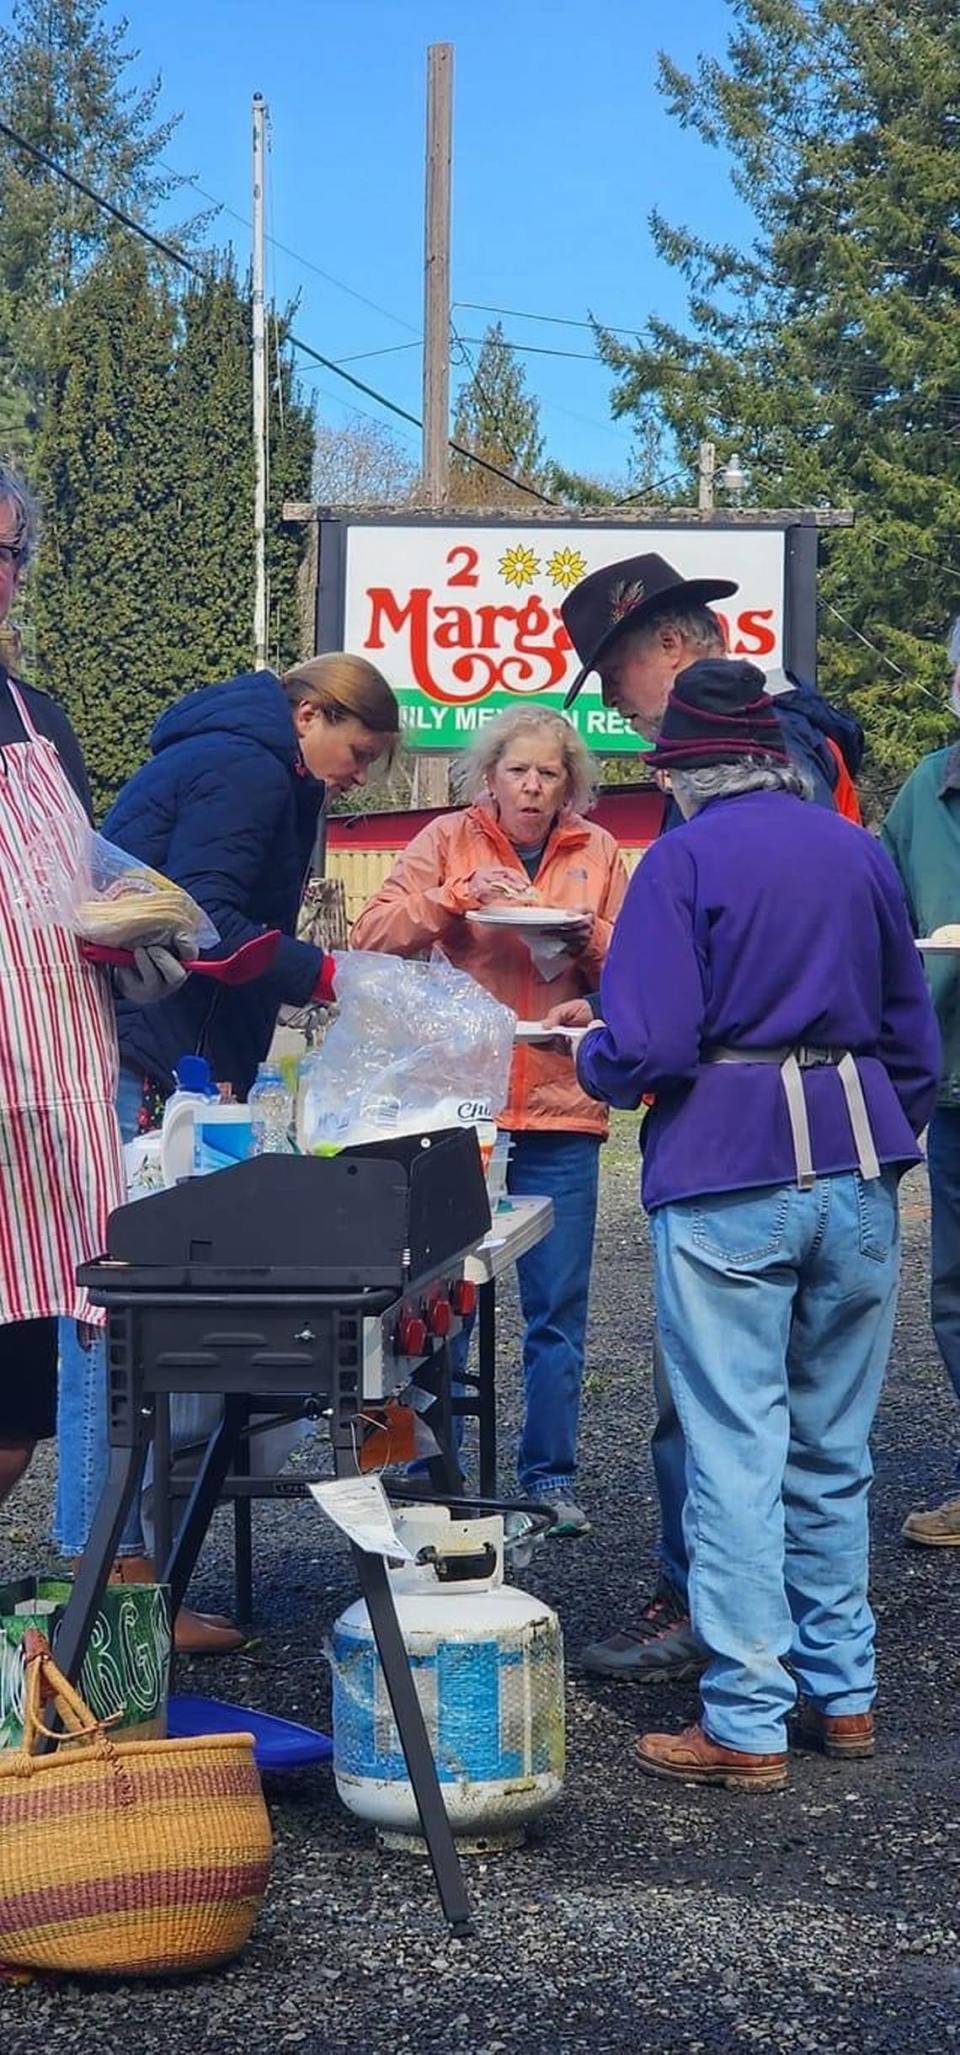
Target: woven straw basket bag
(130,1858)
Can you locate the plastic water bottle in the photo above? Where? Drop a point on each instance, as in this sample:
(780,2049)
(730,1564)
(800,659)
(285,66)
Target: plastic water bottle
(271,1110)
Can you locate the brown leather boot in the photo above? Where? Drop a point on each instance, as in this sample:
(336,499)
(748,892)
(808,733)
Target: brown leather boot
(692,1758)
(850,1735)
(193,1633)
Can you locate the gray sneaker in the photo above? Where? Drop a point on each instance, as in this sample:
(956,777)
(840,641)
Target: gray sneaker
(568,1521)
(662,1649)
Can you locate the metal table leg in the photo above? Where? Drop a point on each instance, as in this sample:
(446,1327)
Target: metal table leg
(243,1538)
(487,1386)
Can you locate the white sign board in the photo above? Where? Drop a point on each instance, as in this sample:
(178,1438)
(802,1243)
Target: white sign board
(465,620)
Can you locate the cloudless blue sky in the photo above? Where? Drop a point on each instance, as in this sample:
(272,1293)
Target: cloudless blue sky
(562,145)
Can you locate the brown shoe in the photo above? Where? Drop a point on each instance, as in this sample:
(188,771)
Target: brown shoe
(843,1734)
(937,1529)
(692,1758)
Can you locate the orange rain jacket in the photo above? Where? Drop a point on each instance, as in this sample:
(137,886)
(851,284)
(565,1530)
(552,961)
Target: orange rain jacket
(422,904)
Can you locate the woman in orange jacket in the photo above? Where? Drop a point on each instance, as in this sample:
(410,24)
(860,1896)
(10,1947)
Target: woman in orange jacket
(523,836)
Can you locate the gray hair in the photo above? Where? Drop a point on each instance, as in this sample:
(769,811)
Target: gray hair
(16,493)
(699,626)
(692,789)
(473,768)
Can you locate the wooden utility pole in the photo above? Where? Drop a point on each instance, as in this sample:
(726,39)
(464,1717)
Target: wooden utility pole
(259,395)
(436,275)
(431,784)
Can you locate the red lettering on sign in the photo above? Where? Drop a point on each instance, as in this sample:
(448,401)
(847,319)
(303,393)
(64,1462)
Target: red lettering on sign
(467,574)
(755,636)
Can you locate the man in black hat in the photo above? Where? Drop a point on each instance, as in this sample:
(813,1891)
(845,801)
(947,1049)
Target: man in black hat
(638,623)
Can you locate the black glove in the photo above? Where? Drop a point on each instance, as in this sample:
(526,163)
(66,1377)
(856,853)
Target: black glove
(155,974)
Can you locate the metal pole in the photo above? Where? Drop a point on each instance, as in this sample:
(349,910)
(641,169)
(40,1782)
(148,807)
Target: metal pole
(436,281)
(259,394)
(707,467)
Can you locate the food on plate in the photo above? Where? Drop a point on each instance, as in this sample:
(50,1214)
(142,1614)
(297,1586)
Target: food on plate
(948,936)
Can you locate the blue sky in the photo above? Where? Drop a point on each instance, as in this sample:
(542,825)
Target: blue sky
(561,147)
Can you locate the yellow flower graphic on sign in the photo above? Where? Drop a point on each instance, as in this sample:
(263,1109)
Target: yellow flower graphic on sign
(519,566)
(566,567)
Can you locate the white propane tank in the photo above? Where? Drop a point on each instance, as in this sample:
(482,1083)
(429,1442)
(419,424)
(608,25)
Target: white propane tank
(488,1665)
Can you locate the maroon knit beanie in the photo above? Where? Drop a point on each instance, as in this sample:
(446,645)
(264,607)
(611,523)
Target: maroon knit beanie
(717,712)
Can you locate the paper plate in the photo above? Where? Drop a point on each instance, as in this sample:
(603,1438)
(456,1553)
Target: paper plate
(928,947)
(525,917)
(534,1031)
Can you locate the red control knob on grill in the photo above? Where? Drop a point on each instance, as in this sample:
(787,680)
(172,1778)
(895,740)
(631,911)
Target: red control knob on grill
(463,1297)
(411,1335)
(441,1317)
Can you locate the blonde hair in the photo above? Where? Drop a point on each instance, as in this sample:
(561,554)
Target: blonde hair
(343,686)
(473,768)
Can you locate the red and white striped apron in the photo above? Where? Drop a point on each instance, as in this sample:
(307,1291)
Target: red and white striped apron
(61,1166)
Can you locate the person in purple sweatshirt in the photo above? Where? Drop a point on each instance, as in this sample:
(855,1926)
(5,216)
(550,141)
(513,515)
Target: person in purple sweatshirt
(764,986)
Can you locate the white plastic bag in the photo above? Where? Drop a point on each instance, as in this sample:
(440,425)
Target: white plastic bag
(415,1045)
(76,879)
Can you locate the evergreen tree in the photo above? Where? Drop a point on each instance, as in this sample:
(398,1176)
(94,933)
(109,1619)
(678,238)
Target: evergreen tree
(106,607)
(62,67)
(212,389)
(292,433)
(828,354)
(498,419)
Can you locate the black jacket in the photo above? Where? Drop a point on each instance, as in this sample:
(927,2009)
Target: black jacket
(52,722)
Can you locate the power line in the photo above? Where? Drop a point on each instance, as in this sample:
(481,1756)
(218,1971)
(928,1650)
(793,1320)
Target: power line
(186,264)
(107,206)
(298,258)
(554,320)
(493,410)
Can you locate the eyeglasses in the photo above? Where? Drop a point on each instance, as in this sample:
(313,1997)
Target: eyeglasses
(11,555)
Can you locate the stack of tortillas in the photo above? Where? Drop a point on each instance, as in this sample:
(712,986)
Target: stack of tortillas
(138,909)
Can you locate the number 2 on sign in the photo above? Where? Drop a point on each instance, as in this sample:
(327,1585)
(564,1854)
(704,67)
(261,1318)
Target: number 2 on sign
(467,574)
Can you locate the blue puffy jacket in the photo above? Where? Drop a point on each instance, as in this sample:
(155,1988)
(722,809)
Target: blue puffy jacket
(225,808)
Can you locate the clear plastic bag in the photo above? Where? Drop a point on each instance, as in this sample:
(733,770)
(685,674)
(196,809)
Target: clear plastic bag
(415,1045)
(76,879)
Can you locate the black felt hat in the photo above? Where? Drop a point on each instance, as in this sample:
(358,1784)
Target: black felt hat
(621,596)
(717,712)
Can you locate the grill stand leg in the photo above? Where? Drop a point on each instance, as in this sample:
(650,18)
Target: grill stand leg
(417,1754)
(408,1713)
(90,1582)
(220,1451)
(243,1538)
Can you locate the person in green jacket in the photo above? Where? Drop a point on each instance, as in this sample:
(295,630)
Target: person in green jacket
(922,834)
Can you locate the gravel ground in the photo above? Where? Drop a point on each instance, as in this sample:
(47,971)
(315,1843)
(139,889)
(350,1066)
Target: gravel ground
(823,1918)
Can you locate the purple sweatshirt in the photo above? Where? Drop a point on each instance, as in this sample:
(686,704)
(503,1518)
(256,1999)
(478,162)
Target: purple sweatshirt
(763,921)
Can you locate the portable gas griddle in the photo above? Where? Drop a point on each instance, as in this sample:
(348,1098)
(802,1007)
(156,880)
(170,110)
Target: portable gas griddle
(324,1285)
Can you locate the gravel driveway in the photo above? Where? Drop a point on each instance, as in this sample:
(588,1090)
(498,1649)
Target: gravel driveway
(640,1917)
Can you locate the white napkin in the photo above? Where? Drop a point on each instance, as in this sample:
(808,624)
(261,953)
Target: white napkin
(550,954)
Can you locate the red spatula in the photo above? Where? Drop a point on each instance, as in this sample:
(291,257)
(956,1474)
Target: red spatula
(251,961)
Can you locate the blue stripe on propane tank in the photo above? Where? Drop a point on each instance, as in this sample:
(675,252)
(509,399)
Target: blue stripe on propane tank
(469,1693)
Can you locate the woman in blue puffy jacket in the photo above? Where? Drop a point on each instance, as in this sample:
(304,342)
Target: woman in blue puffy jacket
(228,806)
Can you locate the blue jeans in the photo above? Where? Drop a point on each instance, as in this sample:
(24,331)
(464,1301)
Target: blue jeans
(775,1312)
(82,1427)
(943,1163)
(554,1281)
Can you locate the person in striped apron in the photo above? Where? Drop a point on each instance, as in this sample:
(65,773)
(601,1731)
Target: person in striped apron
(61,1170)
